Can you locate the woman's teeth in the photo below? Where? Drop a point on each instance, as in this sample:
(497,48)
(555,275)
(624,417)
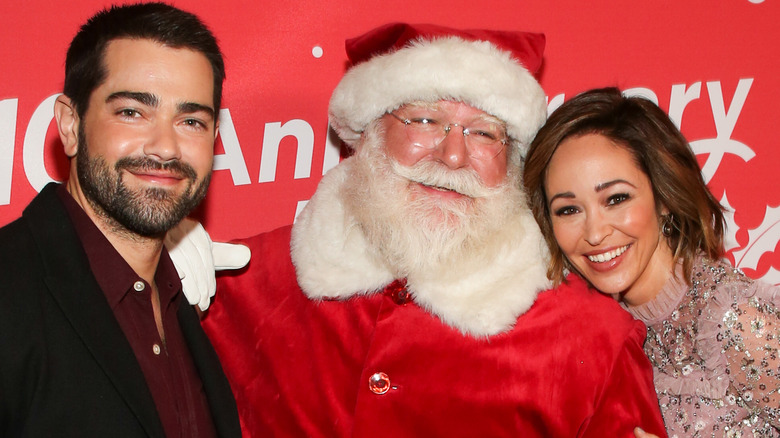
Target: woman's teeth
(607,256)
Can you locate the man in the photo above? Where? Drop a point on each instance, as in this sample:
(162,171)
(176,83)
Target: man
(96,339)
(408,298)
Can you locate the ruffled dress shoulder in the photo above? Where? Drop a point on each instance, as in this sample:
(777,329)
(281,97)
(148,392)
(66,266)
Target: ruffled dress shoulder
(713,343)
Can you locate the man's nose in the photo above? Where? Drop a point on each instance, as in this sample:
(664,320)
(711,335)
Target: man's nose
(163,142)
(452,150)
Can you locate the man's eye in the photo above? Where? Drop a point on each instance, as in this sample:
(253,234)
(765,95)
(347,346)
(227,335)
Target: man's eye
(128,112)
(195,123)
(424,121)
(485,134)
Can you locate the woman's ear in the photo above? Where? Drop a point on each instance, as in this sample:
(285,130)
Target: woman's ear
(67,124)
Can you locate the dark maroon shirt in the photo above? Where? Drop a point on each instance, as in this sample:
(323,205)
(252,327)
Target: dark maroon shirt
(168,367)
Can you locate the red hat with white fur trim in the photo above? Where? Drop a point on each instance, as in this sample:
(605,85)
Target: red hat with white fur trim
(400,63)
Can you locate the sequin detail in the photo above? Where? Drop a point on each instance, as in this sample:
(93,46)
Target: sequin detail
(714,350)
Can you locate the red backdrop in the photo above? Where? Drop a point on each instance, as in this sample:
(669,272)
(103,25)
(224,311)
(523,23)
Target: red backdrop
(712,65)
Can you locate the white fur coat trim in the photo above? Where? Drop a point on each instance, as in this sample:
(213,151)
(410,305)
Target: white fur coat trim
(333,260)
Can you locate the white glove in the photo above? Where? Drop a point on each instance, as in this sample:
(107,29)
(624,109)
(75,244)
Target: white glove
(196,258)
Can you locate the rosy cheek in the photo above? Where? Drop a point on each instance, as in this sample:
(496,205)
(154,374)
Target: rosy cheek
(406,154)
(493,176)
(640,220)
(492,172)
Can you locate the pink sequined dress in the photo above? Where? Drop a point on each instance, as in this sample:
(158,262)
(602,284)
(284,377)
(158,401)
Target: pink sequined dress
(714,349)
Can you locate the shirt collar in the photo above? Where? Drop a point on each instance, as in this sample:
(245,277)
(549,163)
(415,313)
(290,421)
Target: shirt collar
(114,275)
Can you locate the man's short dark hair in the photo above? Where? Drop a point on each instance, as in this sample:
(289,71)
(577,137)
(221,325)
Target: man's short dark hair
(85,68)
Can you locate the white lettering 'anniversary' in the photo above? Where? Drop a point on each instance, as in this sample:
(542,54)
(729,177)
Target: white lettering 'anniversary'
(725,118)
(232,160)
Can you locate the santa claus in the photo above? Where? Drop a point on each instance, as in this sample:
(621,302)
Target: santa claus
(410,299)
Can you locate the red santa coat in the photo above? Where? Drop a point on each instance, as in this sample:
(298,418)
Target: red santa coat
(571,366)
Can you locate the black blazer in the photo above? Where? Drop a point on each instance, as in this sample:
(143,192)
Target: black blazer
(66,368)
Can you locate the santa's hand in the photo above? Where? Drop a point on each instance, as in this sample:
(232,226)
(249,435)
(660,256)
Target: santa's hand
(196,258)
(228,256)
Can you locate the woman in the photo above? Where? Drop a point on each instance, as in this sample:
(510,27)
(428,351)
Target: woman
(619,196)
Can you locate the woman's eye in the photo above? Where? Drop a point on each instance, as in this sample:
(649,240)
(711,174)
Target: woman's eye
(566,211)
(617,198)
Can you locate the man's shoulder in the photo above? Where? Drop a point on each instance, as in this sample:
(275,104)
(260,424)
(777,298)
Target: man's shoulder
(33,242)
(576,291)
(14,227)
(269,239)
(39,227)
(15,237)
(42,206)
(270,259)
(574,303)
(22,273)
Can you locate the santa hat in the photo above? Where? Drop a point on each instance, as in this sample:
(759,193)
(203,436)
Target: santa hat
(400,63)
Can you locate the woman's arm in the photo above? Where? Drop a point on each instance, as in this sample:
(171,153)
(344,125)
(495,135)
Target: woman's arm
(751,339)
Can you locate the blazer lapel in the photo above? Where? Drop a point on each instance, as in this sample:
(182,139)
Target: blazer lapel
(75,289)
(218,393)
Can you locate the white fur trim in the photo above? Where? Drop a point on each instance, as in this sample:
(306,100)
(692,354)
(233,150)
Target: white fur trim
(333,260)
(331,256)
(473,72)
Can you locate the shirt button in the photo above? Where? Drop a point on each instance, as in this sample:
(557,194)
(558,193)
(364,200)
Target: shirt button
(379,383)
(139,286)
(156,349)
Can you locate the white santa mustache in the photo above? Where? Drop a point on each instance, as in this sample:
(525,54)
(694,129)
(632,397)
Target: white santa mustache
(433,174)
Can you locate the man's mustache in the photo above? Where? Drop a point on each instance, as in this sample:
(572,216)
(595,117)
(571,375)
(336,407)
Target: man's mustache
(464,181)
(177,167)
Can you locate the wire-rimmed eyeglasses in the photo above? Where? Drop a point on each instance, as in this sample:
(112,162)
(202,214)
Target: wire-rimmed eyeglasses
(484,139)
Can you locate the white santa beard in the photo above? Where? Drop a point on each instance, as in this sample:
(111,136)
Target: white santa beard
(422,235)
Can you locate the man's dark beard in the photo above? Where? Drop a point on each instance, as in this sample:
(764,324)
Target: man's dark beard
(150,212)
